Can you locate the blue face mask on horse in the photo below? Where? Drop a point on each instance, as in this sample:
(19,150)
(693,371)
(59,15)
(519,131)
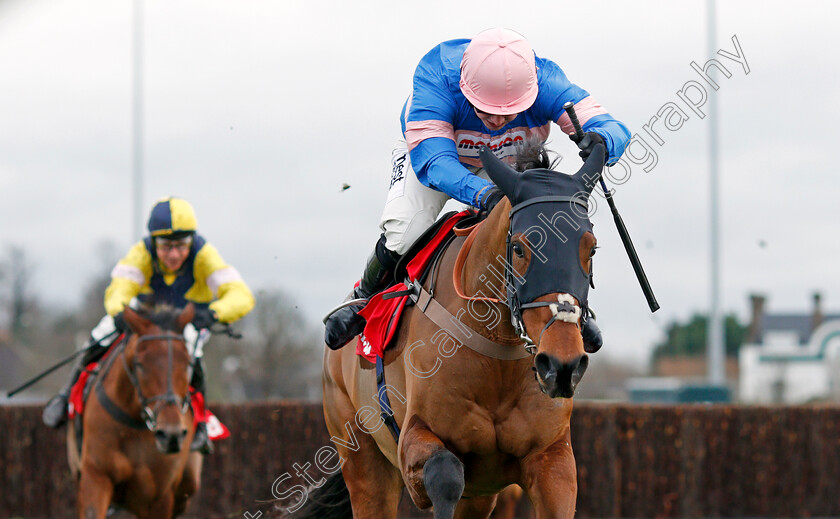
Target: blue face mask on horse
(548,220)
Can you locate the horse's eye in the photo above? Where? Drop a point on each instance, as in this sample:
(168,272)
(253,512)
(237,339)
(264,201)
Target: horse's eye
(138,366)
(517,249)
(593,252)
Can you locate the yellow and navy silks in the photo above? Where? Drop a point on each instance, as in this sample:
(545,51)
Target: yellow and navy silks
(204,279)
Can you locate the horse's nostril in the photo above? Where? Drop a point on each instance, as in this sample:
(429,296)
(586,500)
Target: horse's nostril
(160,435)
(543,364)
(584,363)
(183,433)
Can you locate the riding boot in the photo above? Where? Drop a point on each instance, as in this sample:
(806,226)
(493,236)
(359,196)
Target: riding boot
(201,441)
(592,340)
(55,412)
(346,323)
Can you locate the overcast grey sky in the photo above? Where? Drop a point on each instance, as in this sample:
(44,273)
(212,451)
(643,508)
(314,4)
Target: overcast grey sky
(258,111)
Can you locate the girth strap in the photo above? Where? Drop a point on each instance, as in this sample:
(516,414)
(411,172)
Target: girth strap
(387,412)
(463,334)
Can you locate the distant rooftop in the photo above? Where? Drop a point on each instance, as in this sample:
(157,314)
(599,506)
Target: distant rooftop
(797,323)
(790,328)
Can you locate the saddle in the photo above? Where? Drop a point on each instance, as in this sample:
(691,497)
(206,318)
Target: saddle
(384,310)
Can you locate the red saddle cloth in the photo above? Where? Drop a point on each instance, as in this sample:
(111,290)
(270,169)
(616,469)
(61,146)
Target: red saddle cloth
(383,315)
(76,402)
(216,430)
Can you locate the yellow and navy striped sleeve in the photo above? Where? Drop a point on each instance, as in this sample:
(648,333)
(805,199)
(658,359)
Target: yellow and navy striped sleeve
(129,278)
(233,297)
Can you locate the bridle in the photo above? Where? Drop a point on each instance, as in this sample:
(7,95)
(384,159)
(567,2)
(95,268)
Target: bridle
(150,406)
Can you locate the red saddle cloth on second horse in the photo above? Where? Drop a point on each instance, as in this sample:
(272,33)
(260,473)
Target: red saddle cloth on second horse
(216,430)
(383,315)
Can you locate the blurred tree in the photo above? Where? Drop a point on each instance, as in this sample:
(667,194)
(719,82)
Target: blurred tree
(279,355)
(24,318)
(689,339)
(93,302)
(605,378)
(81,319)
(21,304)
(41,335)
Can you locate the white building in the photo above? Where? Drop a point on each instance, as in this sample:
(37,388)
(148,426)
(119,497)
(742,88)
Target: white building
(790,358)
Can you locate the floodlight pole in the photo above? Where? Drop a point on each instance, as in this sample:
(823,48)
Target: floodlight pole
(137,121)
(714,346)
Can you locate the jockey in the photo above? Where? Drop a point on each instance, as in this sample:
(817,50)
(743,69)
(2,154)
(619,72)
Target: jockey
(173,265)
(489,91)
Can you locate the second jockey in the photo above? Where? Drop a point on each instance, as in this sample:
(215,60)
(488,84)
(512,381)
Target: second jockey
(489,91)
(174,265)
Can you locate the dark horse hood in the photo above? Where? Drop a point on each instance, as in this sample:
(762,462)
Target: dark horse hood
(551,210)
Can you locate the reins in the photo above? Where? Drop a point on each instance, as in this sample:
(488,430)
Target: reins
(461,260)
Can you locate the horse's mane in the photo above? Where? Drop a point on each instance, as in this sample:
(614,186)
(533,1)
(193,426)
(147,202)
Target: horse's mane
(532,154)
(163,315)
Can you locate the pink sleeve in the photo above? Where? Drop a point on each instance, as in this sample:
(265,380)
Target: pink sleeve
(418,131)
(586,109)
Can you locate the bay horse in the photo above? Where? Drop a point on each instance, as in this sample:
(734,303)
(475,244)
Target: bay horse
(138,426)
(473,423)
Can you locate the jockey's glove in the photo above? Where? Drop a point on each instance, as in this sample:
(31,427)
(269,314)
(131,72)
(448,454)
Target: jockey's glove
(587,143)
(204,317)
(491,197)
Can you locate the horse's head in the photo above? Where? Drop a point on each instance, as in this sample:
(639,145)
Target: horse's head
(159,366)
(548,264)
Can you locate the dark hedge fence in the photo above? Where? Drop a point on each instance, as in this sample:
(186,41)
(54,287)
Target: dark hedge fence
(633,461)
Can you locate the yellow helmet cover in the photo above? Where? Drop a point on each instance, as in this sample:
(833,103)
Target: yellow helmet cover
(172,217)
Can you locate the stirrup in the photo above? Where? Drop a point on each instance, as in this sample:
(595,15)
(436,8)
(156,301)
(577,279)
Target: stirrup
(351,302)
(201,441)
(51,415)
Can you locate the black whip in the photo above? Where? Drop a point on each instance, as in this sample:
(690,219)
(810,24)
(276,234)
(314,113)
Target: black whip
(619,222)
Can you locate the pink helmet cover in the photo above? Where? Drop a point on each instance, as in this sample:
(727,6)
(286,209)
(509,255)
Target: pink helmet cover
(498,73)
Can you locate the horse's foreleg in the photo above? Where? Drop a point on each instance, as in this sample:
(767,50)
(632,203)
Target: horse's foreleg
(550,479)
(190,482)
(95,492)
(508,500)
(434,476)
(475,507)
(162,508)
(374,484)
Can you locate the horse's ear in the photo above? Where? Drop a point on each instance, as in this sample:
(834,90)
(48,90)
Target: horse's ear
(138,324)
(500,173)
(591,170)
(186,316)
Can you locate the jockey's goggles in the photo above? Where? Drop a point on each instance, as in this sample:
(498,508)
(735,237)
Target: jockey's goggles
(180,244)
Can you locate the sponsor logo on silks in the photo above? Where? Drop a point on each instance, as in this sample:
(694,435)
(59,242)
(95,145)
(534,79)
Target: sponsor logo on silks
(397,173)
(366,346)
(502,145)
